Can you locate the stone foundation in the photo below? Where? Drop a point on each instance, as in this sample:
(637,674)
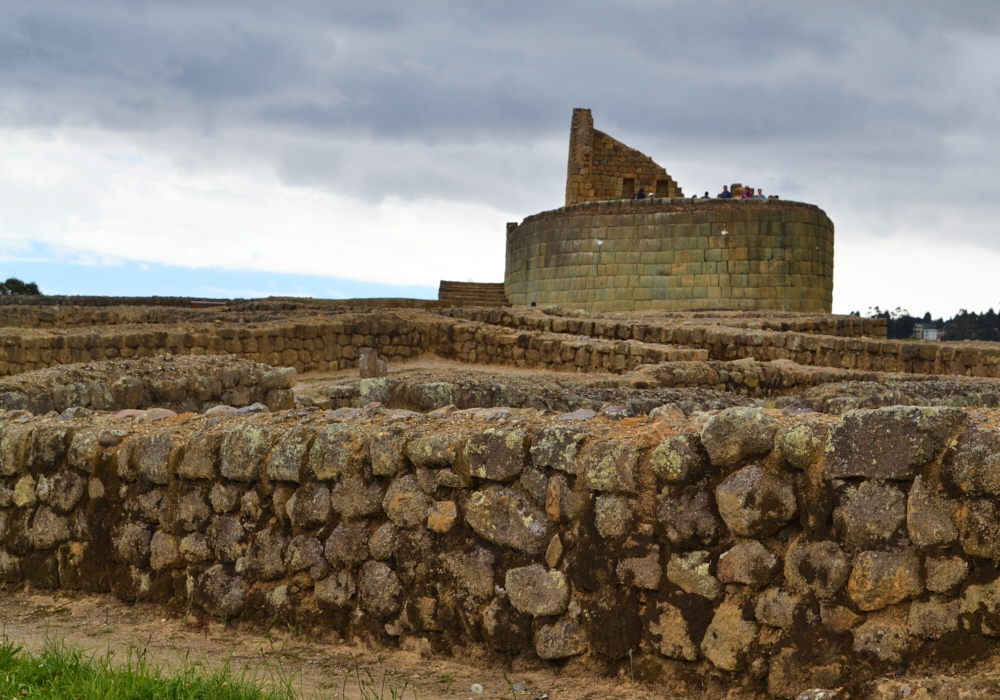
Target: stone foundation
(774,553)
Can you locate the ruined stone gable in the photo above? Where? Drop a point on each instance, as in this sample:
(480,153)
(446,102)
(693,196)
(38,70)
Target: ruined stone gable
(602,168)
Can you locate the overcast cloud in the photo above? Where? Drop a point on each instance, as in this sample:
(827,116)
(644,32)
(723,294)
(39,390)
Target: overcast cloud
(390,142)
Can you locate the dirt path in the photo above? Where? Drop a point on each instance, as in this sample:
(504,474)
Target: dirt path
(317,668)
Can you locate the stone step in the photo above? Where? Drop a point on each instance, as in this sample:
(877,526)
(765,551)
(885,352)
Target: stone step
(473,293)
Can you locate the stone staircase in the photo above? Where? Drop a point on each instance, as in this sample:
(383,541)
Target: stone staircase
(472,293)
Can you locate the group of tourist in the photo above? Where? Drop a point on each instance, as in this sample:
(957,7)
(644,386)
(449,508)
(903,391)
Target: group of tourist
(746,194)
(725,194)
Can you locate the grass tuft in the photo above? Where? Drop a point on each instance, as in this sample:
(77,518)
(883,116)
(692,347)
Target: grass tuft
(61,673)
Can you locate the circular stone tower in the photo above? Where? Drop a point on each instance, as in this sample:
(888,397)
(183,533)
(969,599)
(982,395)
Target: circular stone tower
(607,252)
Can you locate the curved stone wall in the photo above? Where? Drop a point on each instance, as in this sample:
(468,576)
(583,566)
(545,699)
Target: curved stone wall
(673,254)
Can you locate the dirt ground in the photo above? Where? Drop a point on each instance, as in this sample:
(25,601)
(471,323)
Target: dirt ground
(324,668)
(319,667)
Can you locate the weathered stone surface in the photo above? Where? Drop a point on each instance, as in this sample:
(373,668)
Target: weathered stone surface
(347,544)
(537,592)
(288,459)
(336,590)
(130,542)
(505,630)
(386,448)
(554,552)
(803,444)
(979,528)
(932,619)
(85,447)
(839,618)
(535,483)
(671,635)
(164,552)
(749,563)
(24,492)
(870,514)
(883,637)
(738,434)
(14,440)
(380,590)
(10,568)
(944,573)
(729,637)
(65,491)
(305,553)
(265,556)
(973,465)
(612,516)
(880,579)
(48,530)
(188,510)
(405,502)
(441,516)
(226,536)
(687,517)
(679,459)
(382,541)
(888,443)
(201,455)
(243,449)
(753,502)
(433,449)
(503,516)
(221,593)
(610,465)
(820,568)
(497,454)
(354,497)
(813,662)
(339,450)
(690,572)
(560,640)
(155,455)
(472,570)
(983,600)
(641,572)
(930,516)
(556,446)
(195,548)
(309,507)
(776,607)
(563,504)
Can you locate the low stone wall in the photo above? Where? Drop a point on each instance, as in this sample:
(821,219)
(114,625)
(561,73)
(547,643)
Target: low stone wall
(743,549)
(725,343)
(323,345)
(180,384)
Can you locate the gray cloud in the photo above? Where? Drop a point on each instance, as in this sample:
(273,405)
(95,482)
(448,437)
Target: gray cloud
(842,102)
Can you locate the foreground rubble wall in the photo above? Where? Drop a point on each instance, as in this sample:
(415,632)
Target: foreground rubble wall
(744,547)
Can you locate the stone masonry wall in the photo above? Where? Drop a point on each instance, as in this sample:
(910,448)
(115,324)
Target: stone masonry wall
(175,383)
(723,343)
(601,168)
(322,345)
(673,254)
(745,548)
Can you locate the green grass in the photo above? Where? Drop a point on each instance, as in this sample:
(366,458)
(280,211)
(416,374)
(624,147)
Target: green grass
(62,673)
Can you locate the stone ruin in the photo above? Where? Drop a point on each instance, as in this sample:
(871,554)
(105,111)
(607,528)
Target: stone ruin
(743,503)
(604,251)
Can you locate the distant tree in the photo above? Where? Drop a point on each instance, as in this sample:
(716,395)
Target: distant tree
(15,286)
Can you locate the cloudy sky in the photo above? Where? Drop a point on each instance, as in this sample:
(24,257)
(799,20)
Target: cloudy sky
(373,148)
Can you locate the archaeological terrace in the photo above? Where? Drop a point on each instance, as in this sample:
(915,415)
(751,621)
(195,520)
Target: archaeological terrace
(750,503)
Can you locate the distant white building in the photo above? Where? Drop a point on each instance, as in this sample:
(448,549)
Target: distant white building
(930,333)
